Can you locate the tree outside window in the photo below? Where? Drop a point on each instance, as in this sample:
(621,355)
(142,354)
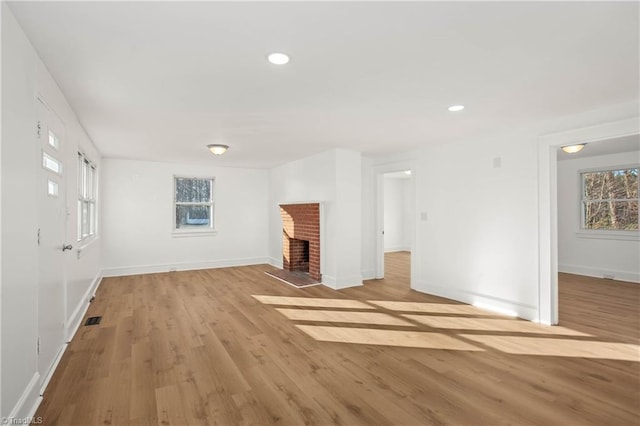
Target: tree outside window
(610,199)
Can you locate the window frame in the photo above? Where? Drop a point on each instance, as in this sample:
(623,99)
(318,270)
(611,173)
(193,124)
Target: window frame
(86,194)
(189,232)
(606,234)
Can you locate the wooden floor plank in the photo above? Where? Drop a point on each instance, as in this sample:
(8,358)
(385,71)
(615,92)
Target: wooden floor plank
(236,346)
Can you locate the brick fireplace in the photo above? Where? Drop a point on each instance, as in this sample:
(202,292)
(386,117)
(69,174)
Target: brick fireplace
(301,238)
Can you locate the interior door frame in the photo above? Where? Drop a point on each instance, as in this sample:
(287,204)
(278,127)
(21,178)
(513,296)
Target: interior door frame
(548,204)
(379,170)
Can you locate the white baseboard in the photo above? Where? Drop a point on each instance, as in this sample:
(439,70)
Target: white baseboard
(588,271)
(369,274)
(275,262)
(27,403)
(73,322)
(341,283)
(496,304)
(186,266)
(54,365)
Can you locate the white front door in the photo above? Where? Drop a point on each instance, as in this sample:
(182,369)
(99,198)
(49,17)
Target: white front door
(52,232)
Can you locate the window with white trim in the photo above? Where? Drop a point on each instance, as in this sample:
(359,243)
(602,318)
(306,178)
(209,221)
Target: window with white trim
(610,199)
(87,213)
(193,204)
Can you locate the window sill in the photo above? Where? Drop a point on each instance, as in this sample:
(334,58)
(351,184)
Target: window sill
(84,244)
(183,234)
(609,235)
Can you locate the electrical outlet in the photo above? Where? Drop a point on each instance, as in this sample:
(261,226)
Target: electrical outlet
(608,276)
(172,269)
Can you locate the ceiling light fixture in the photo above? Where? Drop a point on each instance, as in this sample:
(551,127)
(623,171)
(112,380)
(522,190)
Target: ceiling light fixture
(572,149)
(218,149)
(278,58)
(407,172)
(456,108)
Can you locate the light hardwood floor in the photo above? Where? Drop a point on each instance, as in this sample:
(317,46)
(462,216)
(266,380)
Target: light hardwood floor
(234,346)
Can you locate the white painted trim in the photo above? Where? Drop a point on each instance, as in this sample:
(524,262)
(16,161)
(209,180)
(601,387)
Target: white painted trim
(589,271)
(548,203)
(369,274)
(187,266)
(396,249)
(342,283)
(89,242)
(524,311)
(299,202)
(29,394)
(73,322)
(52,369)
(276,262)
(608,235)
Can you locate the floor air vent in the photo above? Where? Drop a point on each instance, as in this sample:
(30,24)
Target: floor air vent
(93,321)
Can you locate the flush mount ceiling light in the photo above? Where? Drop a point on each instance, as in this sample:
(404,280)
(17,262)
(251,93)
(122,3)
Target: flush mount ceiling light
(456,108)
(218,149)
(278,58)
(572,149)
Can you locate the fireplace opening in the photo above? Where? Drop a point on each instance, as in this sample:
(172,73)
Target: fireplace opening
(299,255)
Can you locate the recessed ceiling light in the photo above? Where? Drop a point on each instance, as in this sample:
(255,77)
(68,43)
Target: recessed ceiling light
(455,108)
(407,172)
(572,149)
(278,58)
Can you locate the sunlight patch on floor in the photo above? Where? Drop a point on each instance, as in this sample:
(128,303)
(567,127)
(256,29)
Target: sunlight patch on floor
(542,346)
(435,308)
(491,324)
(366,336)
(312,302)
(343,316)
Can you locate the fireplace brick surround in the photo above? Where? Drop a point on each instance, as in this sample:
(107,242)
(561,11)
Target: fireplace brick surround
(301,238)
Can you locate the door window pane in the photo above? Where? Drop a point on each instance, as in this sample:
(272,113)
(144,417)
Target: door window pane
(50,163)
(52,188)
(53,140)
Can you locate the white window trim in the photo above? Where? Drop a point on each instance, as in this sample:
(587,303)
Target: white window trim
(601,234)
(193,232)
(89,238)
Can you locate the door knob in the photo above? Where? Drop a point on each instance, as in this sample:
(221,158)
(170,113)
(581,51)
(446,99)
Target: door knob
(66,247)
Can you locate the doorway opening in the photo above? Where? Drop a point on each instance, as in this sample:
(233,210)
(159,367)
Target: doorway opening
(548,203)
(397,227)
(597,215)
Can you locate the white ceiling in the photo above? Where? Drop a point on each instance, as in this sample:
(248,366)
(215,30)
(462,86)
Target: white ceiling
(160,80)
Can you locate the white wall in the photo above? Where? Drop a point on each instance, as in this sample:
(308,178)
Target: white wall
(577,253)
(368,220)
(332,178)
(138,214)
(24,78)
(397,214)
(19,226)
(478,243)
